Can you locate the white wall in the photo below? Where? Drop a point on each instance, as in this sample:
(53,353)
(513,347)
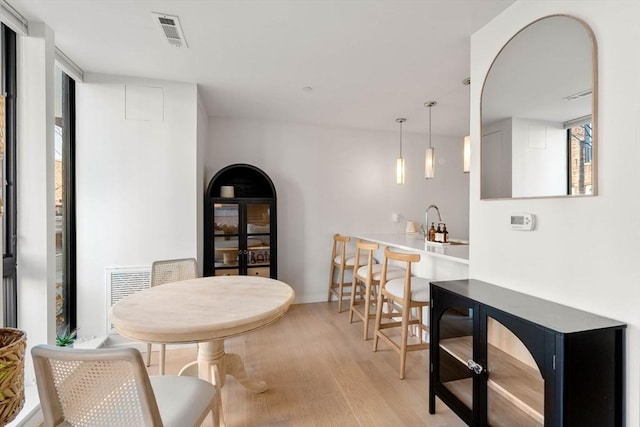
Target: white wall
(497,174)
(137,184)
(331,180)
(539,150)
(523,158)
(567,259)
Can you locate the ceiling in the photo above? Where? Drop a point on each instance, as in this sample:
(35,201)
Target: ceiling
(368,61)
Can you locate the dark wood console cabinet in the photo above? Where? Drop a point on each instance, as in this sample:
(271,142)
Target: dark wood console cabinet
(240,223)
(503,358)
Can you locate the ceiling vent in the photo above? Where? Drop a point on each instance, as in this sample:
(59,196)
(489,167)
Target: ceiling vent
(578,95)
(170,28)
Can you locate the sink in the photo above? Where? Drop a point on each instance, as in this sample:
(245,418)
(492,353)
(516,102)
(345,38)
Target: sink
(451,242)
(454,242)
(458,242)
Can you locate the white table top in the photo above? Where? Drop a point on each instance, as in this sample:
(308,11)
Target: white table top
(416,243)
(201,309)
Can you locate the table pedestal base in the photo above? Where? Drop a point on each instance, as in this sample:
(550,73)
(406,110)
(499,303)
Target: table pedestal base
(214,365)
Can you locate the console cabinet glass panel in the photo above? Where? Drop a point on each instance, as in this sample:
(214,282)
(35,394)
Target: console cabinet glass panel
(455,349)
(497,360)
(240,227)
(515,387)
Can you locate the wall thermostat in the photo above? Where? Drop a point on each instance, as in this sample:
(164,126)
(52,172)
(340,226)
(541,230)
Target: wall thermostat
(523,221)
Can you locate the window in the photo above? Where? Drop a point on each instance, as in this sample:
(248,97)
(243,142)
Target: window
(9,214)
(580,158)
(65,201)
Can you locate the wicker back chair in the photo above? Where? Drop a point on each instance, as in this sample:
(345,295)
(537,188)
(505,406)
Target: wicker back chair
(109,387)
(167,271)
(173,270)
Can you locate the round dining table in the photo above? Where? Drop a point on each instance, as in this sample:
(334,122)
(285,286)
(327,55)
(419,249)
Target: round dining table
(206,311)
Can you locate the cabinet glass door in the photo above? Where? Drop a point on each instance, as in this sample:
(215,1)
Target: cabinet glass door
(258,234)
(455,350)
(515,387)
(226,243)
(226,219)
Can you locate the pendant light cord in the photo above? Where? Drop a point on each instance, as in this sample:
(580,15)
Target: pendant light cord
(430,104)
(400,120)
(400,139)
(429,127)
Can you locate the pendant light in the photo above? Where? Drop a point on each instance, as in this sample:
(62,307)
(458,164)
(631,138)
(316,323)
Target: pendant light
(400,160)
(466,154)
(430,155)
(466,143)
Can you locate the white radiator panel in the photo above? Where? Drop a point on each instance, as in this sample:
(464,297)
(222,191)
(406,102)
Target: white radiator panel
(123,281)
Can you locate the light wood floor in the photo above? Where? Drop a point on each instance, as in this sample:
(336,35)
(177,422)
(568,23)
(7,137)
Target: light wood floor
(321,372)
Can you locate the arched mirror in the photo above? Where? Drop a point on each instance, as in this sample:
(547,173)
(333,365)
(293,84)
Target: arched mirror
(539,115)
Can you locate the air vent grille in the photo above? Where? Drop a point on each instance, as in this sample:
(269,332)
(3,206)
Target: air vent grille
(123,281)
(578,95)
(170,29)
(167,21)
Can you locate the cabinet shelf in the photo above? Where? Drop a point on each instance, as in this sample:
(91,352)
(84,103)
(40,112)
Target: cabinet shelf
(512,380)
(506,413)
(259,247)
(461,348)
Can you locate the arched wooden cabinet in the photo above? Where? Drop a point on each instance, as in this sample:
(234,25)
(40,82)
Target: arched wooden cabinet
(240,223)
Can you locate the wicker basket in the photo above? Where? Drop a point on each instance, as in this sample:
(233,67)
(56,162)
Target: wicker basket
(12,347)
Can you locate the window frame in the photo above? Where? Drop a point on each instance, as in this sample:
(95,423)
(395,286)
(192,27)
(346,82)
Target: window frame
(9,256)
(585,152)
(69,272)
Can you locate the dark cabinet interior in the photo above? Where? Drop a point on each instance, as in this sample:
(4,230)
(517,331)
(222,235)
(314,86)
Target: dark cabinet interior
(240,223)
(503,358)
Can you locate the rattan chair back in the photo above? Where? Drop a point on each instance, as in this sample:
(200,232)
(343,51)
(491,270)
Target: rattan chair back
(105,387)
(173,270)
(167,271)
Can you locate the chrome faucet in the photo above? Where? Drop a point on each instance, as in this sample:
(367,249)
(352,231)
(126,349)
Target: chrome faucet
(426,219)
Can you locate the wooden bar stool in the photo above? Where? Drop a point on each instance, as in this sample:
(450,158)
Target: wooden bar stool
(404,294)
(366,279)
(342,261)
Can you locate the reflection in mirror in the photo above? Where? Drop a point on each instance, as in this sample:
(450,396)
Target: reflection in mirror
(538,113)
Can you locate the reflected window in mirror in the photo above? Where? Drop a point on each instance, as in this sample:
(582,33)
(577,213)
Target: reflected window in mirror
(538,113)
(580,159)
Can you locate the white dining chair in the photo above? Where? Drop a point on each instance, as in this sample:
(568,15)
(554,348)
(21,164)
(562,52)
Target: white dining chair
(167,271)
(111,387)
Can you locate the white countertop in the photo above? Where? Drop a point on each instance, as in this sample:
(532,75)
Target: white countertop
(416,243)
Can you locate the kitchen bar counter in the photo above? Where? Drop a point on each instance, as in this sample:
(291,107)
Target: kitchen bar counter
(416,243)
(437,262)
